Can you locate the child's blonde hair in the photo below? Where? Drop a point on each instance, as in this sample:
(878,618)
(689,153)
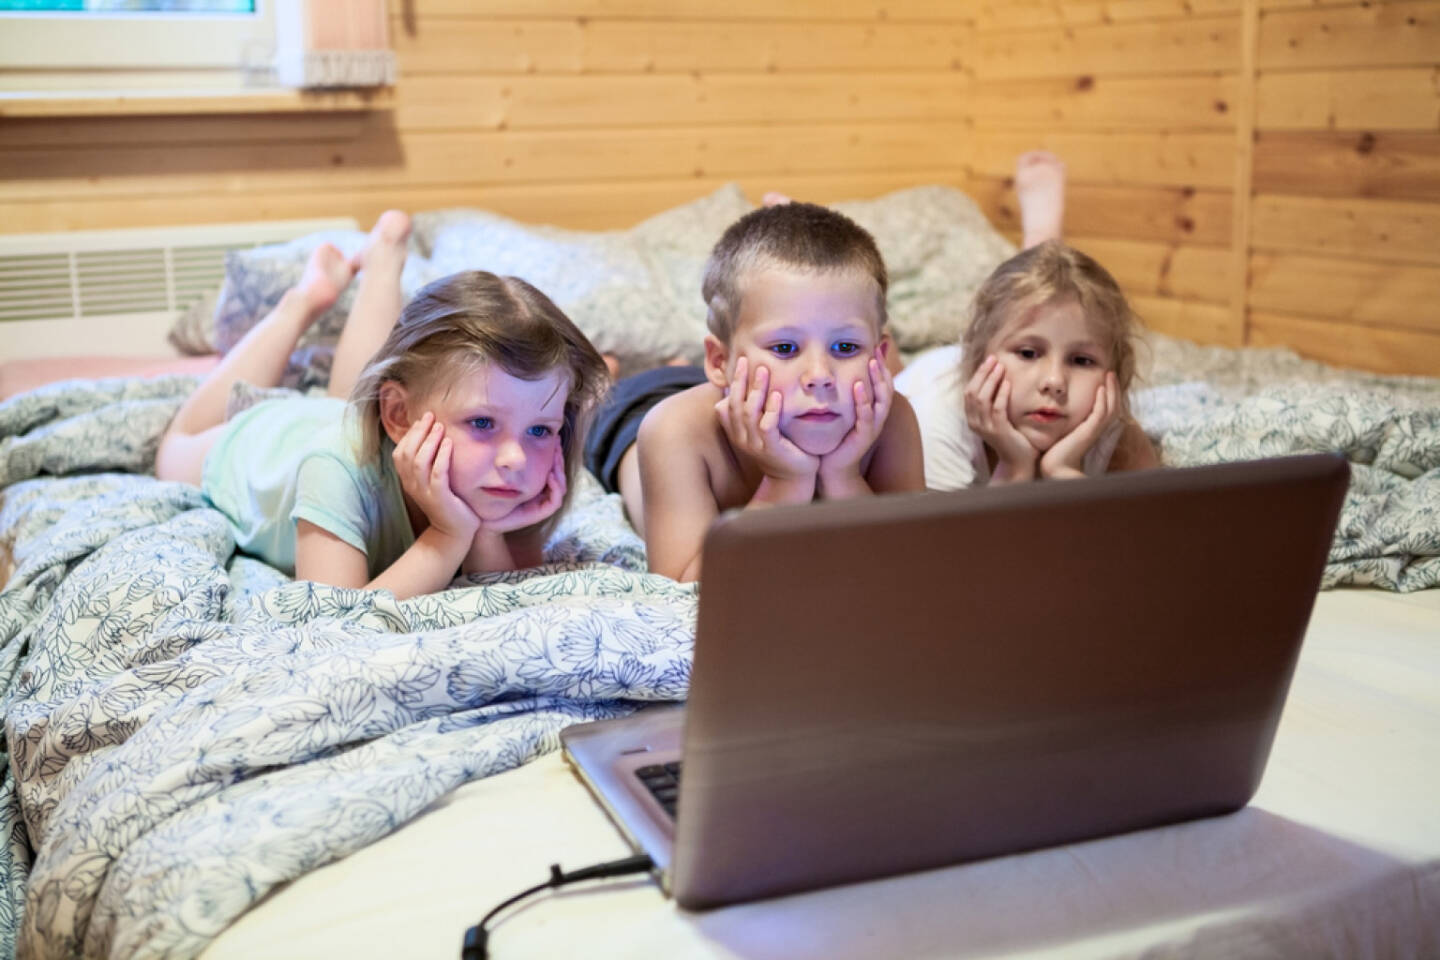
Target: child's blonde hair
(796,236)
(467,320)
(1042,274)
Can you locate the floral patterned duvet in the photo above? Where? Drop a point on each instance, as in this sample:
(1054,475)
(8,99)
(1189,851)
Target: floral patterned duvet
(187,728)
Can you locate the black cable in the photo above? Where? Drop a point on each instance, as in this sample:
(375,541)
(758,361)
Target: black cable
(473,947)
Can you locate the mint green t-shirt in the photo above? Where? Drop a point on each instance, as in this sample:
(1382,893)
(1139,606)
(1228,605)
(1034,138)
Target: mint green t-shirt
(295,458)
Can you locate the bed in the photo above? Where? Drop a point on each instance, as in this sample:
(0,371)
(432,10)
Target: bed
(207,757)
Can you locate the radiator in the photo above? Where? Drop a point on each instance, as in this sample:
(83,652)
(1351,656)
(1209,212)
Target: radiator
(117,292)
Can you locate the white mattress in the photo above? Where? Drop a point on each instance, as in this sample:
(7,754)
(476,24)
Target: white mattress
(1338,855)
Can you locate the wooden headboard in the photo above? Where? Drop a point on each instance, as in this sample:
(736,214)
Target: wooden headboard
(1254,171)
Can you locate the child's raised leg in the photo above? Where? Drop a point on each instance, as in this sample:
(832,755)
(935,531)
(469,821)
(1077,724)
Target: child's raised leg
(259,358)
(378,300)
(1040,189)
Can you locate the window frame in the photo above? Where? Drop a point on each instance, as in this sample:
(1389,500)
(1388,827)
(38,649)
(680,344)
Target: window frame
(104,40)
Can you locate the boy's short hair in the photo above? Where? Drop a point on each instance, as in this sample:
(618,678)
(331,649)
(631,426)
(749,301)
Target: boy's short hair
(795,236)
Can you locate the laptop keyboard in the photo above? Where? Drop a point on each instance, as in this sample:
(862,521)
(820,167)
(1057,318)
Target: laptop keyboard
(663,782)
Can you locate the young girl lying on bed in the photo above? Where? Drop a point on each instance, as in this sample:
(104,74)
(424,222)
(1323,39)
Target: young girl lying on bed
(456,451)
(1037,386)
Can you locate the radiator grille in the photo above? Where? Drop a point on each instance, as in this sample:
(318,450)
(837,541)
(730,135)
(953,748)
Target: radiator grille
(35,287)
(126,281)
(114,272)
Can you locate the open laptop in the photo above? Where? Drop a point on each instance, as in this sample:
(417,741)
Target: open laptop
(905,682)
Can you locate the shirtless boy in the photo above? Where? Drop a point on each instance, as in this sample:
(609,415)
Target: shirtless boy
(794,402)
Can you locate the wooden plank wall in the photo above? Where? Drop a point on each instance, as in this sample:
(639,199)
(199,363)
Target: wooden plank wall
(586,113)
(1254,171)
(1345,231)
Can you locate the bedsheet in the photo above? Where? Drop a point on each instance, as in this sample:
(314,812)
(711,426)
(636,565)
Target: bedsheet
(1336,858)
(187,728)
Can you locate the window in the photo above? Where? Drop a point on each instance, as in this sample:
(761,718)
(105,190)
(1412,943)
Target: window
(49,36)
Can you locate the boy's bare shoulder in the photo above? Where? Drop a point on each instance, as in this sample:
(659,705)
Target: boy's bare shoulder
(686,419)
(682,437)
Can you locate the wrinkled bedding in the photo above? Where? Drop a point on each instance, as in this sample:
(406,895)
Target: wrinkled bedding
(1211,405)
(188,728)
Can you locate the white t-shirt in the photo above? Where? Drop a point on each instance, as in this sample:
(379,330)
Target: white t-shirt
(955,454)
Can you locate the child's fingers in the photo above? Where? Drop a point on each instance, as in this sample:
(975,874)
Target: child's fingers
(739,396)
(770,417)
(756,404)
(735,396)
(1104,407)
(864,409)
(882,377)
(561,482)
(440,469)
(413,435)
(977,379)
(882,385)
(884,393)
(759,392)
(425,455)
(990,387)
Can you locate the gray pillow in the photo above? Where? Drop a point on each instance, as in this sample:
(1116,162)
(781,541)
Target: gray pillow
(635,293)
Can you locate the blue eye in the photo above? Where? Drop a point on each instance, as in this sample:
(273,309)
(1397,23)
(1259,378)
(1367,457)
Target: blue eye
(540,431)
(846,348)
(782,349)
(482,423)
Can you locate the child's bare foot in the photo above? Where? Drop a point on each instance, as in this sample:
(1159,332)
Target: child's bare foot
(327,273)
(775,199)
(387,241)
(1040,188)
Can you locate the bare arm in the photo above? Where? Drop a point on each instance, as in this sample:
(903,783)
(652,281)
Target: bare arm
(428,566)
(492,551)
(679,503)
(898,464)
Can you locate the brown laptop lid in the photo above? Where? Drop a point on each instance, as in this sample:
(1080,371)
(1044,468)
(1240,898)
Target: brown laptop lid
(904,682)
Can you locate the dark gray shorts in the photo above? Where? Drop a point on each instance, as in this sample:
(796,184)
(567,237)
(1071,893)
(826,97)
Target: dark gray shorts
(618,421)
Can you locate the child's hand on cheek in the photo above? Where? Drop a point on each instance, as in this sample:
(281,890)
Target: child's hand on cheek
(987,412)
(750,416)
(839,472)
(538,507)
(422,462)
(1066,459)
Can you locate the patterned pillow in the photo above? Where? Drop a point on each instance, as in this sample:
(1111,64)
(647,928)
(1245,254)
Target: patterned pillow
(194,329)
(635,292)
